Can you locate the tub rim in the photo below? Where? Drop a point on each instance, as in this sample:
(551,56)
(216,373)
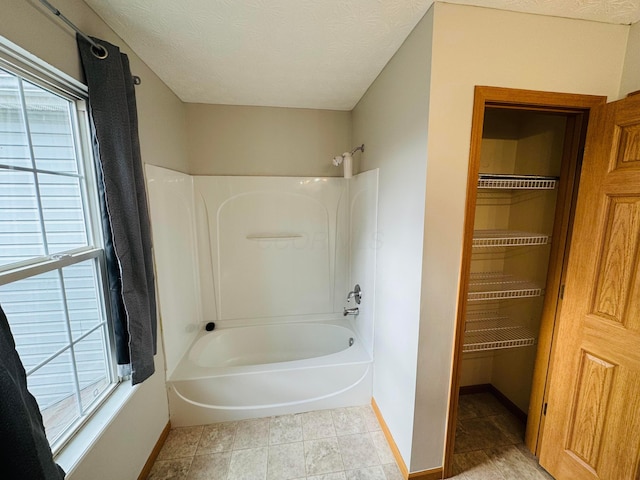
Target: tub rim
(355,354)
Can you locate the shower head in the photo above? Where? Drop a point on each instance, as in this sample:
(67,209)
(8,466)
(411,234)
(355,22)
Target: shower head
(347,160)
(338,159)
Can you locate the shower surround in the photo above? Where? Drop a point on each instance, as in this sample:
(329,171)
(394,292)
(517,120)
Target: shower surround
(270,260)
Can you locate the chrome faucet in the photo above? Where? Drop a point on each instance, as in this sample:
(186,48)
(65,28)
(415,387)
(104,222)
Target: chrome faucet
(356,293)
(351,311)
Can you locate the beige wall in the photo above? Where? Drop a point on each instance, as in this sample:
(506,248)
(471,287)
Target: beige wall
(126,442)
(391,119)
(239,140)
(631,73)
(478,46)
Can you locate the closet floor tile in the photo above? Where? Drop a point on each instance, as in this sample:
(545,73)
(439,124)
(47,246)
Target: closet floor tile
(490,443)
(479,434)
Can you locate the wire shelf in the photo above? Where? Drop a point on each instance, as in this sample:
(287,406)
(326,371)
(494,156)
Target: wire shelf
(516,182)
(507,238)
(498,286)
(487,322)
(496,339)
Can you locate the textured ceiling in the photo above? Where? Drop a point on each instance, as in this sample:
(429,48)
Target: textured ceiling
(292,53)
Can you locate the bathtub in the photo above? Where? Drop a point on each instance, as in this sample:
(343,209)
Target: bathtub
(263,370)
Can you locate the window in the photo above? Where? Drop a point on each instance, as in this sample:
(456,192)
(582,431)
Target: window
(51,256)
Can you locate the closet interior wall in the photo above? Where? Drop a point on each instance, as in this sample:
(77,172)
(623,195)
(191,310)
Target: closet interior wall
(515,143)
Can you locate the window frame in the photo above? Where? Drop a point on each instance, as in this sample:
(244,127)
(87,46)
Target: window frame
(19,62)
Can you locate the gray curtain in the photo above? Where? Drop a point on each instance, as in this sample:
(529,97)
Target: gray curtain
(24,449)
(125,216)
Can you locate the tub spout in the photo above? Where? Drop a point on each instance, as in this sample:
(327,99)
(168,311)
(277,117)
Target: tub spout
(351,311)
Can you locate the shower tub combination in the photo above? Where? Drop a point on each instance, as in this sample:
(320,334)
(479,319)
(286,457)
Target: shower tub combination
(271,260)
(263,370)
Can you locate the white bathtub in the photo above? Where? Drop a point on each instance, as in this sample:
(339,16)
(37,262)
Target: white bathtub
(263,370)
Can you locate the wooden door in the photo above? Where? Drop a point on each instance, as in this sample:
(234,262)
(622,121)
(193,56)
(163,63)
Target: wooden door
(592,428)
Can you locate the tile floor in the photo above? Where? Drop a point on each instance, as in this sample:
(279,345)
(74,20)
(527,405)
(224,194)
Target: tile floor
(342,444)
(339,444)
(489,443)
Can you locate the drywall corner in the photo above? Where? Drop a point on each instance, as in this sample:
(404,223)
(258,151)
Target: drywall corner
(392,120)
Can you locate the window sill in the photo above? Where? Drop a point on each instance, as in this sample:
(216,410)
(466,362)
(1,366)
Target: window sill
(86,437)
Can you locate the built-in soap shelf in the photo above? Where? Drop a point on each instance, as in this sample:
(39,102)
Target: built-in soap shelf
(516,182)
(492,331)
(273,236)
(500,286)
(507,238)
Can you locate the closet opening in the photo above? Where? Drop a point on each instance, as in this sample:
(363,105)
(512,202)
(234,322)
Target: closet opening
(524,170)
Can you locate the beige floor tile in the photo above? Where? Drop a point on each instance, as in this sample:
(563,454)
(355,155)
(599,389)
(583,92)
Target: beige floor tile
(322,456)
(289,447)
(285,429)
(213,466)
(348,421)
(217,437)
(286,461)
(181,442)
(458,464)
(318,424)
(382,447)
(511,427)
(369,417)
(476,465)
(465,407)
(175,469)
(489,442)
(392,472)
(533,460)
(511,462)
(370,473)
(248,464)
(252,434)
(485,404)
(329,476)
(478,434)
(459,476)
(358,451)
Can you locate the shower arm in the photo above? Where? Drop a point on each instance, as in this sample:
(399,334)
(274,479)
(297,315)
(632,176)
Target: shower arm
(361,148)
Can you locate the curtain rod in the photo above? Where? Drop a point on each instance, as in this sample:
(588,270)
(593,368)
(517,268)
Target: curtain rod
(97,50)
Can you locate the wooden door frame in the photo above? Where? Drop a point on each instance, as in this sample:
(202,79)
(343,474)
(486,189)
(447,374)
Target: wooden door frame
(578,106)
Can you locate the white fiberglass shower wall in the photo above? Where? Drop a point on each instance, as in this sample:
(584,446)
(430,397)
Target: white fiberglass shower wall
(260,250)
(272,247)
